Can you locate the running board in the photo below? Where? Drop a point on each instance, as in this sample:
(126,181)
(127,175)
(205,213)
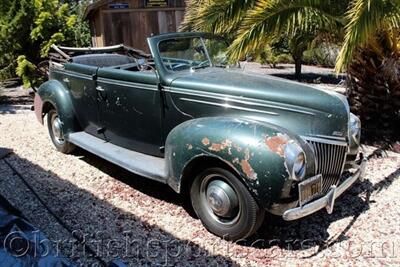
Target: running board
(138,163)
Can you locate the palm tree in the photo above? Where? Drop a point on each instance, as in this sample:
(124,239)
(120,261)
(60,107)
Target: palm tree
(251,23)
(369,30)
(371,54)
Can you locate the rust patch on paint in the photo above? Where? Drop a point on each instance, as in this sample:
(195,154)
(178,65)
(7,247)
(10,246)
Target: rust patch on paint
(246,167)
(218,147)
(205,141)
(277,144)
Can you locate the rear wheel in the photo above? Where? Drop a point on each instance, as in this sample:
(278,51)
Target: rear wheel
(224,205)
(54,126)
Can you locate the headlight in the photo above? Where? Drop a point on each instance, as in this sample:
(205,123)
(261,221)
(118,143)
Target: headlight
(354,128)
(295,161)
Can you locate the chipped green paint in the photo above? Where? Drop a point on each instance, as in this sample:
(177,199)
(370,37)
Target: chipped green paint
(240,143)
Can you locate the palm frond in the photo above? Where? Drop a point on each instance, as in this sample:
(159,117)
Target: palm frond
(365,19)
(216,16)
(191,14)
(270,18)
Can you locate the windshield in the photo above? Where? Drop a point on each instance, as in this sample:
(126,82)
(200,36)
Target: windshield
(191,53)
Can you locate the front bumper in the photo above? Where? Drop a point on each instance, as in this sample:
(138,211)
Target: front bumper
(327,201)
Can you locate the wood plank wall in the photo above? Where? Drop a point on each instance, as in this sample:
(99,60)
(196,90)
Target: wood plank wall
(132,26)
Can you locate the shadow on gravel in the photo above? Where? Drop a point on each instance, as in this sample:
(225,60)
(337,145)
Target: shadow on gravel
(147,186)
(109,231)
(311,231)
(306,233)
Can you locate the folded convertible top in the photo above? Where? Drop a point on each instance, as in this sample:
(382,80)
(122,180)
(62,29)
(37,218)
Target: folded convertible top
(64,53)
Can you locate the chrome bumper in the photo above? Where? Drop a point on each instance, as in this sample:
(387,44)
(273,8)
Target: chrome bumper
(327,201)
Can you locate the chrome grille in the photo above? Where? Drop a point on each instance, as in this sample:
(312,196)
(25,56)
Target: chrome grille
(330,159)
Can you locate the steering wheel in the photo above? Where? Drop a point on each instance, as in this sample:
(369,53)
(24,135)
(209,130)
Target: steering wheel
(140,66)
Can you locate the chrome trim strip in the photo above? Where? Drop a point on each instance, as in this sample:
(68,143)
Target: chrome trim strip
(72,74)
(242,100)
(328,200)
(323,140)
(226,105)
(143,86)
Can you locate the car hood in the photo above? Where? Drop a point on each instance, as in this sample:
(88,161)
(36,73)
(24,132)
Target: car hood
(300,108)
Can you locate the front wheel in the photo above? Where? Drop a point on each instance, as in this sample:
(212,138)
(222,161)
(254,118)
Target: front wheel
(54,126)
(224,205)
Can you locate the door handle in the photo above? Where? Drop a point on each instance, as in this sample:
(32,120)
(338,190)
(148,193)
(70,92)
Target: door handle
(100,89)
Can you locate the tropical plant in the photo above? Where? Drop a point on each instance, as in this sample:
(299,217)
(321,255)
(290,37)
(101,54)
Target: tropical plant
(369,30)
(371,54)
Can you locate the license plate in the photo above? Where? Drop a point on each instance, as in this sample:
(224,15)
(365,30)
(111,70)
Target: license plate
(310,189)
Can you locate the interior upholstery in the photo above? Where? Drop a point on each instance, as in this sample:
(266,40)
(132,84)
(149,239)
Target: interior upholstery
(103,60)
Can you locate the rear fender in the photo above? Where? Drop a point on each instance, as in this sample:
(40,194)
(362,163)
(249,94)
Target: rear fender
(56,94)
(254,150)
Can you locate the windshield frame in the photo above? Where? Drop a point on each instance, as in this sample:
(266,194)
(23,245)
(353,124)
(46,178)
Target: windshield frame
(165,76)
(201,37)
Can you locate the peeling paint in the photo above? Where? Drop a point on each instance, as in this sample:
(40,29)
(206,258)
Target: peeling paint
(246,167)
(205,141)
(218,147)
(277,144)
(189,146)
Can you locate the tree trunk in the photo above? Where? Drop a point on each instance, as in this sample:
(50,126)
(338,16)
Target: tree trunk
(297,66)
(374,93)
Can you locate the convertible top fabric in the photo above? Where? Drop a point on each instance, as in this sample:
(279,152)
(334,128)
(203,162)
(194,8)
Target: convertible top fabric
(21,244)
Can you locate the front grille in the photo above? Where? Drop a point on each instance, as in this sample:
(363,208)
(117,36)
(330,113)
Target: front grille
(330,160)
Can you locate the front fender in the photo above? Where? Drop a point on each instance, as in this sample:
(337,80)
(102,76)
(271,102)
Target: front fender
(255,150)
(55,93)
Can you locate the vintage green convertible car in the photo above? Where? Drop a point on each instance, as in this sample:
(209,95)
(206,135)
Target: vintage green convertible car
(238,144)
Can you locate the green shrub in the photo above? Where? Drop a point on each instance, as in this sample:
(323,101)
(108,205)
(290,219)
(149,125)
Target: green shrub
(28,28)
(322,55)
(272,56)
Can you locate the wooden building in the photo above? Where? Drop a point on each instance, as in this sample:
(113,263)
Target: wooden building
(130,22)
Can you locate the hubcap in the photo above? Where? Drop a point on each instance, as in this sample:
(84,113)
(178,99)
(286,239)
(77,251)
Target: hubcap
(220,199)
(56,128)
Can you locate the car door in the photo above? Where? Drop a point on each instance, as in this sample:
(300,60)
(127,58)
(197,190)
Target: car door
(130,109)
(80,80)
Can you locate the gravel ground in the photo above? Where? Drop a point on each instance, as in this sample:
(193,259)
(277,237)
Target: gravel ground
(121,215)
